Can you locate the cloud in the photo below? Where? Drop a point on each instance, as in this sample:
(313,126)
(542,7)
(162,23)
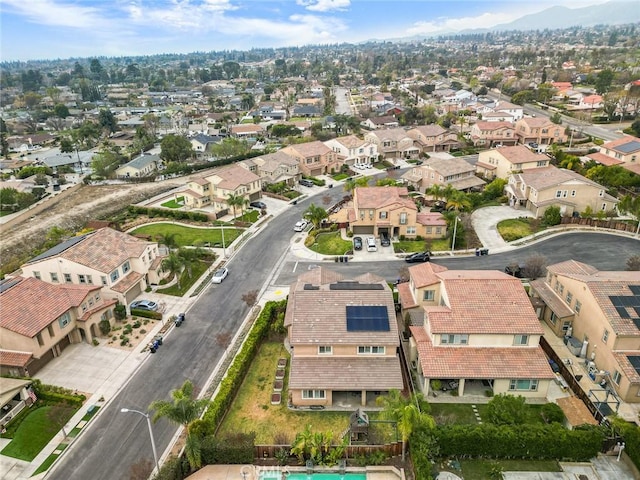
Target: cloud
(486,20)
(324,5)
(54,13)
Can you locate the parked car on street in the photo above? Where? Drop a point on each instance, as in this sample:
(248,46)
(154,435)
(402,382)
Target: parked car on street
(220,275)
(144,305)
(357,243)
(300,226)
(418,257)
(258,205)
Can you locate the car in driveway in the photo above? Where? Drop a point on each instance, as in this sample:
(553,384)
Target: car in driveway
(385,241)
(144,305)
(258,205)
(371,244)
(300,226)
(219,275)
(306,183)
(357,243)
(419,257)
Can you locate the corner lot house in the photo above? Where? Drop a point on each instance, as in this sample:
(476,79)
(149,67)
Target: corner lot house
(602,310)
(477,328)
(539,130)
(118,263)
(344,339)
(42,319)
(539,188)
(503,161)
(274,168)
(314,158)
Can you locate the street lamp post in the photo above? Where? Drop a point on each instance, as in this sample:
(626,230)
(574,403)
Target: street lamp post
(153,442)
(455,231)
(224,248)
(620,449)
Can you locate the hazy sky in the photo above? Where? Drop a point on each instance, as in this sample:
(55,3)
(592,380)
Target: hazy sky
(43,29)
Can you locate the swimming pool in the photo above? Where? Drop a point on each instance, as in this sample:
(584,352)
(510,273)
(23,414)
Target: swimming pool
(318,476)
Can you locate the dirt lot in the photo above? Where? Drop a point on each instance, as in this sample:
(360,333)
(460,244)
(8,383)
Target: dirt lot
(88,202)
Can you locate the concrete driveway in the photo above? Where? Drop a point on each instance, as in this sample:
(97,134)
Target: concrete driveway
(485,223)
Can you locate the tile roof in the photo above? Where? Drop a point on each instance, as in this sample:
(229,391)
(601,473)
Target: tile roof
(448,166)
(614,144)
(231,177)
(277,158)
(467,182)
(432,130)
(14,358)
(394,134)
(576,411)
(406,298)
(105,250)
(346,373)
(572,267)
(456,362)
(550,177)
(604,159)
(380,197)
(491,126)
(629,371)
(125,283)
(351,141)
(30,305)
(246,128)
(551,299)
(536,122)
(425,274)
(310,149)
(431,219)
(520,154)
(504,105)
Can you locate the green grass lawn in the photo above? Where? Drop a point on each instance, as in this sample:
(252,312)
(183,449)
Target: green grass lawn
(249,216)
(50,459)
(331,244)
(516,228)
(189,236)
(33,434)
(174,203)
(481,469)
(252,411)
(462,413)
(339,176)
(186,281)
(410,246)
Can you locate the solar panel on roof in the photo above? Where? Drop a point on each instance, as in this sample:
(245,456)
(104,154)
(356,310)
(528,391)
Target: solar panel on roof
(634,360)
(628,147)
(635,289)
(308,286)
(636,321)
(346,285)
(622,311)
(369,318)
(7,284)
(61,247)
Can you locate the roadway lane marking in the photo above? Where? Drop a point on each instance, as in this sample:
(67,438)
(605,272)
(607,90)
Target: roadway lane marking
(295,265)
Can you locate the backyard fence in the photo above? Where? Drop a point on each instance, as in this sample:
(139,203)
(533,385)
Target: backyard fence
(594,222)
(390,450)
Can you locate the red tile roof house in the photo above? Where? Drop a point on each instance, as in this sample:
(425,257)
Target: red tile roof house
(490,134)
(475,327)
(120,264)
(314,158)
(39,320)
(433,138)
(343,338)
(621,150)
(456,172)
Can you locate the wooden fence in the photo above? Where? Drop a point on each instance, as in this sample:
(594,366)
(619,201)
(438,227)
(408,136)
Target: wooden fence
(390,450)
(594,222)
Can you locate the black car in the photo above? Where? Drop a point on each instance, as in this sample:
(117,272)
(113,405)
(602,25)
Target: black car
(385,241)
(514,270)
(357,243)
(258,205)
(418,257)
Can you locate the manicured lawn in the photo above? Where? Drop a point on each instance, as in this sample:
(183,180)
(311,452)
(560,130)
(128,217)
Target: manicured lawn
(516,228)
(462,413)
(409,246)
(331,244)
(249,216)
(35,431)
(481,469)
(189,236)
(186,281)
(252,411)
(340,176)
(174,203)
(50,459)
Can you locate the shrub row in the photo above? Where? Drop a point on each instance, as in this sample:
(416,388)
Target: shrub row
(230,384)
(516,441)
(52,397)
(171,213)
(138,312)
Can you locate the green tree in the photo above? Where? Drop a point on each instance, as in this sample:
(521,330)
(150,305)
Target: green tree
(603,81)
(175,148)
(105,163)
(495,189)
(61,110)
(505,409)
(230,147)
(174,264)
(302,444)
(556,118)
(315,215)
(459,202)
(552,216)
(631,205)
(183,409)
(235,201)
(107,120)
(169,240)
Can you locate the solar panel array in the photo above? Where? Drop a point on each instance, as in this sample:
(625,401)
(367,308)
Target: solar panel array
(628,306)
(350,285)
(370,318)
(8,283)
(629,147)
(634,360)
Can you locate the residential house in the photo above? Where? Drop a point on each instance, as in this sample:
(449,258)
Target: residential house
(456,172)
(14,363)
(539,188)
(274,168)
(601,309)
(516,112)
(393,143)
(143,166)
(246,130)
(314,158)
(306,111)
(539,130)
(493,134)
(354,150)
(502,162)
(122,265)
(202,143)
(343,338)
(212,189)
(384,121)
(497,117)
(474,327)
(591,102)
(433,138)
(625,149)
(42,319)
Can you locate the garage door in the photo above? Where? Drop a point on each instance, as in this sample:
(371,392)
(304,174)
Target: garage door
(134,292)
(363,230)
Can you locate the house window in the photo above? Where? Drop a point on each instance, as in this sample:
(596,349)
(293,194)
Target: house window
(103,278)
(569,297)
(604,206)
(91,301)
(67,278)
(429,229)
(54,277)
(82,279)
(313,394)
(39,338)
(84,307)
(454,339)
(521,340)
(114,276)
(37,275)
(578,306)
(558,193)
(438,230)
(429,295)
(370,349)
(412,231)
(561,288)
(50,330)
(573,193)
(616,377)
(553,318)
(126,266)
(523,385)
(542,163)
(325,350)
(403,218)
(64,320)
(605,336)
(601,193)
(89,279)
(565,325)
(383,215)
(97,297)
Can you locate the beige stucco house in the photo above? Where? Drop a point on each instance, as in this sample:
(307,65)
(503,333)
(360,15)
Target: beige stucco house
(353,150)
(539,188)
(343,338)
(503,161)
(477,328)
(456,172)
(491,134)
(433,138)
(142,166)
(539,130)
(393,143)
(42,319)
(116,262)
(274,168)
(625,149)
(314,158)
(602,310)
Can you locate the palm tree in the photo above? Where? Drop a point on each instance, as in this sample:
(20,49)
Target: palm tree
(315,215)
(303,443)
(436,191)
(174,264)
(183,409)
(235,201)
(168,240)
(458,202)
(631,205)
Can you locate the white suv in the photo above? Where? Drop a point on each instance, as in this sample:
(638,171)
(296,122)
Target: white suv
(300,226)
(371,244)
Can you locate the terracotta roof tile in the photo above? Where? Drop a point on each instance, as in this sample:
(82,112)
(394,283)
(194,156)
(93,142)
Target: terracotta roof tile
(425,274)
(232,177)
(551,299)
(572,267)
(127,282)
(604,159)
(405,297)
(622,357)
(310,149)
(431,219)
(379,197)
(14,358)
(614,144)
(520,154)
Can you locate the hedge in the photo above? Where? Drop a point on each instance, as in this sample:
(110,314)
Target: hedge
(162,212)
(520,441)
(138,312)
(236,372)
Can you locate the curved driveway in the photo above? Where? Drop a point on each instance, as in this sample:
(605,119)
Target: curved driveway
(485,223)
